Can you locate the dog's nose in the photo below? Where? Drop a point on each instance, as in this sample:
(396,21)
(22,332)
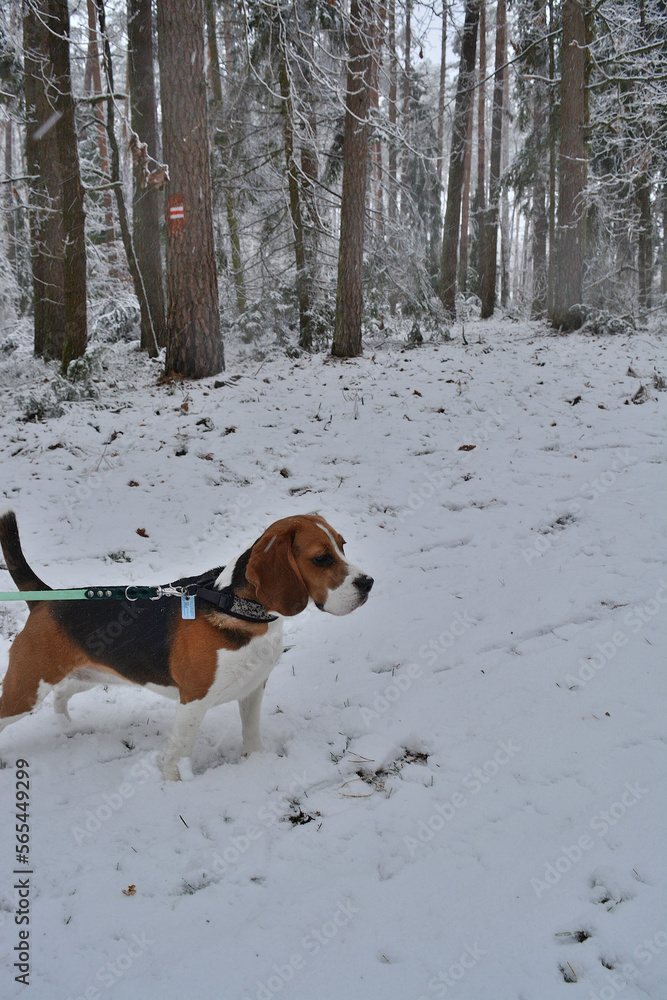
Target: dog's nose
(364,584)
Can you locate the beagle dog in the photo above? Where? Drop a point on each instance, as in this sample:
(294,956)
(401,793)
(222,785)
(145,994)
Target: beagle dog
(224,653)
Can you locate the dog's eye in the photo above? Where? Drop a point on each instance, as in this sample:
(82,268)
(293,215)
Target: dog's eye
(323,561)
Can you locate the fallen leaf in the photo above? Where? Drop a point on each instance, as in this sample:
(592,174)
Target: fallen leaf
(467,447)
(130,891)
(142,532)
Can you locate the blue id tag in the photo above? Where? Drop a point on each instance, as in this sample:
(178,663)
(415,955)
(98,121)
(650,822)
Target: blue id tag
(188,607)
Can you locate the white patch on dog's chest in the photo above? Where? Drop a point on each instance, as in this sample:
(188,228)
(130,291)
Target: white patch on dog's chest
(242,671)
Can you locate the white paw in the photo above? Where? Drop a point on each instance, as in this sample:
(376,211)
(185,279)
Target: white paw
(170,771)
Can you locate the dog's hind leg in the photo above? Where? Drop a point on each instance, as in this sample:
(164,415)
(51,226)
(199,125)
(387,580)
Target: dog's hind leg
(64,691)
(39,659)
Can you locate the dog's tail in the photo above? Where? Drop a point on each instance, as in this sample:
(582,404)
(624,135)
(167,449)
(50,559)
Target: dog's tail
(17,565)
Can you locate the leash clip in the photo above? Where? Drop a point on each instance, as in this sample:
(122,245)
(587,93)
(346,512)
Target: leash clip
(170,591)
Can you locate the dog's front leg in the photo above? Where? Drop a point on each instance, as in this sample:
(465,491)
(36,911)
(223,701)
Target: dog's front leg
(182,739)
(250,712)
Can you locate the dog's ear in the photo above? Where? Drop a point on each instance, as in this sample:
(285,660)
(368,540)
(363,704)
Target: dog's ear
(273,572)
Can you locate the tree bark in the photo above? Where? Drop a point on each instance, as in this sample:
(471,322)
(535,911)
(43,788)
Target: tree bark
(10,202)
(126,236)
(93,84)
(194,345)
(45,193)
(295,205)
(407,85)
(568,289)
(441,90)
(465,207)
(222,139)
(644,243)
(663,269)
(74,217)
(551,265)
(392,159)
(57,215)
(146,199)
(540,221)
(349,292)
(464,96)
(488,277)
(480,198)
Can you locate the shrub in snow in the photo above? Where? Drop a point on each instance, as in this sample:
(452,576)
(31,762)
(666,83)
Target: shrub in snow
(600,321)
(117,321)
(48,403)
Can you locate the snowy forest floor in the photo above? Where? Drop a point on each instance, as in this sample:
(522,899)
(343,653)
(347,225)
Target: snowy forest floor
(462,792)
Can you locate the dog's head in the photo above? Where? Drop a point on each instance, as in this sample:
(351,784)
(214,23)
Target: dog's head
(301,557)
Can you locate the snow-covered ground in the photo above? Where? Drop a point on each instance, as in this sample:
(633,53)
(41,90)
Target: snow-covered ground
(463,791)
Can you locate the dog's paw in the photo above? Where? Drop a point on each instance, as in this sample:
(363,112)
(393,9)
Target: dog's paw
(252,748)
(170,771)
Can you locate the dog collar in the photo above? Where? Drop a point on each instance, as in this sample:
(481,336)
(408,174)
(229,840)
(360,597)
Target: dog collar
(238,607)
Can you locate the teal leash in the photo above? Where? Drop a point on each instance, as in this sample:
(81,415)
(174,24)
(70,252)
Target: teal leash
(95,593)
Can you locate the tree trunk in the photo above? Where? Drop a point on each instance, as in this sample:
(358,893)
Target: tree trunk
(10,201)
(644,243)
(540,232)
(407,85)
(126,236)
(194,345)
(93,84)
(465,207)
(45,193)
(540,221)
(295,201)
(464,95)
(57,217)
(480,198)
(488,276)
(441,90)
(146,198)
(663,270)
(392,159)
(376,152)
(505,234)
(74,216)
(568,289)
(553,128)
(349,292)
(222,139)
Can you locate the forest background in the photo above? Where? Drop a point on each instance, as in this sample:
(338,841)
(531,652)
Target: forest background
(210,172)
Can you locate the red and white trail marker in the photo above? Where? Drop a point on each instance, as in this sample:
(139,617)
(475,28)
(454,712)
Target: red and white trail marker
(175,212)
